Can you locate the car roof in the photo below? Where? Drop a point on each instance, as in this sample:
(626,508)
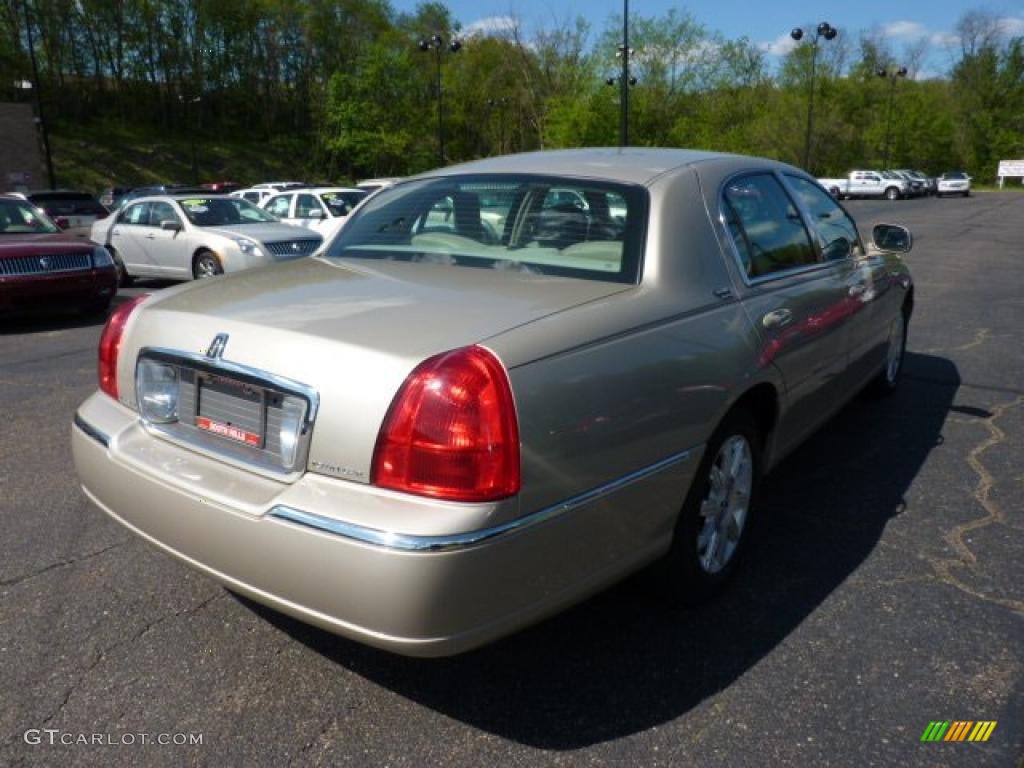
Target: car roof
(316,190)
(636,165)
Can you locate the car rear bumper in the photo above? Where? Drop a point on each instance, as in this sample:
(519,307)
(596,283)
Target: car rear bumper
(28,292)
(291,548)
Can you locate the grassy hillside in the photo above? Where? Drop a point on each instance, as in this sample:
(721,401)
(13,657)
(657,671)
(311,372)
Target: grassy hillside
(115,154)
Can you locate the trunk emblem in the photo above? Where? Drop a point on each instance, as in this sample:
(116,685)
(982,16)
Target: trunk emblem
(44,262)
(216,348)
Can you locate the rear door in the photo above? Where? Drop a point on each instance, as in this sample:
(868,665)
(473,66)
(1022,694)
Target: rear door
(127,236)
(281,207)
(795,299)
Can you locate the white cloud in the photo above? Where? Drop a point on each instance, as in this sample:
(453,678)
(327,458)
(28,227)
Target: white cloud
(1013,26)
(780,46)
(490,25)
(904,29)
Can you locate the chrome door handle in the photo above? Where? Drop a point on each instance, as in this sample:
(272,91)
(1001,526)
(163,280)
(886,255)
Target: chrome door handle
(151,237)
(859,289)
(115,232)
(777,318)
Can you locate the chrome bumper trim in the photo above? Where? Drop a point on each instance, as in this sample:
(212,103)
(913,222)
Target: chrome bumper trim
(91,431)
(415,543)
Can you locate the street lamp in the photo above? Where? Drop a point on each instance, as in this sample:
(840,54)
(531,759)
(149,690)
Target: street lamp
(893,77)
(436,43)
(828,32)
(38,90)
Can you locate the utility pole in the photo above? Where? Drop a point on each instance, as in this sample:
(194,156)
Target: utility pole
(39,97)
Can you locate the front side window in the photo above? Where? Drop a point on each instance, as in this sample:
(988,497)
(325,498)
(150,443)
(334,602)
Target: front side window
(839,238)
(765,226)
(535,224)
(305,205)
(341,203)
(160,212)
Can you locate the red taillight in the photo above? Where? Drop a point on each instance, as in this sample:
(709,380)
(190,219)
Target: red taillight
(110,345)
(451,432)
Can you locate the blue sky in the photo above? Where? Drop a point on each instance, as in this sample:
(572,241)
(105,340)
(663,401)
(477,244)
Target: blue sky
(766,22)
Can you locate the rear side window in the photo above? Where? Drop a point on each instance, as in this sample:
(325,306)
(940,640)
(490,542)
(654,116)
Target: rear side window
(305,205)
(765,226)
(544,225)
(279,206)
(136,214)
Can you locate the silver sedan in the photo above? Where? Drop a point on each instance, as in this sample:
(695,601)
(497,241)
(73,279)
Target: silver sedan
(445,429)
(182,237)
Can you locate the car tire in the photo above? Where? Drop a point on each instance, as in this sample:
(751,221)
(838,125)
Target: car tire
(892,193)
(888,379)
(206,264)
(124,280)
(712,530)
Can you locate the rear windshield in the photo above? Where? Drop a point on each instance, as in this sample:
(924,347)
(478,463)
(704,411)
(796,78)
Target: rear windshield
(538,224)
(70,205)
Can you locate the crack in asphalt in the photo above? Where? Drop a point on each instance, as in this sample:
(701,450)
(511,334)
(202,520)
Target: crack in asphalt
(103,654)
(994,515)
(301,754)
(980,337)
(54,566)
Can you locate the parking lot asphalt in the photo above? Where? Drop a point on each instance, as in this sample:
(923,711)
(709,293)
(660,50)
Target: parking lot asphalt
(885,591)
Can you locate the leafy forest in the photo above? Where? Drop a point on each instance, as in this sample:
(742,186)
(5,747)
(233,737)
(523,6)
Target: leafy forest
(343,89)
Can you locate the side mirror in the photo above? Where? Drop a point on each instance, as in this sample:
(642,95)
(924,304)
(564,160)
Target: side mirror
(61,222)
(315,213)
(170,226)
(892,238)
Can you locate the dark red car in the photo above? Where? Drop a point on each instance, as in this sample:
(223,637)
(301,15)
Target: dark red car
(41,267)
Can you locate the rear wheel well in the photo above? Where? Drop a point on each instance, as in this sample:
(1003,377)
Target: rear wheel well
(761,401)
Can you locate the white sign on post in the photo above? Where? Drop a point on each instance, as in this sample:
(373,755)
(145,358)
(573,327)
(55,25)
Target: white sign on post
(1009,168)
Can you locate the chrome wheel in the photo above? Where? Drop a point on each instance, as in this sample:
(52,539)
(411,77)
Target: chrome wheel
(724,511)
(207,265)
(894,360)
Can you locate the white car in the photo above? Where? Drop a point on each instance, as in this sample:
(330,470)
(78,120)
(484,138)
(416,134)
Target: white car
(322,209)
(954,183)
(255,195)
(374,185)
(183,237)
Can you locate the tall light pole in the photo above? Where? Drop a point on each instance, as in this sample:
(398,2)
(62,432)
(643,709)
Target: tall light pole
(625,80)
(38,91)
(436,43)
(893,77)
(824,31)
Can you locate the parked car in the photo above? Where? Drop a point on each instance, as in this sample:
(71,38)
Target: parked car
(424,441)
(255,195)
(867,184)
(277,186)
(44,268)
(373,185)
(954,183)
(71,211)
(181,237)
(929,182)
(322,209)
(100,230)
(111,197)
(224,187)
(918,185)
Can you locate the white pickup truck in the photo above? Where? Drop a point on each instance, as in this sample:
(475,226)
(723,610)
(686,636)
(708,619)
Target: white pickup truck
(867,184)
